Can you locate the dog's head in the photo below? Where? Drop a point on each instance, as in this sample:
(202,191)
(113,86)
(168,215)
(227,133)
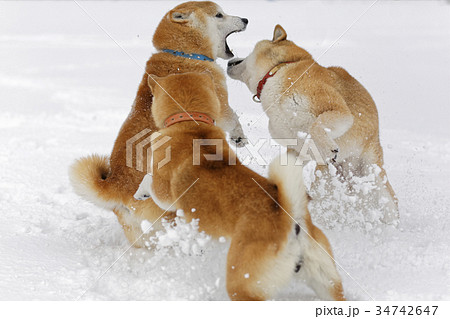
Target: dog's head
(198,27)
(266,55)
(177,93)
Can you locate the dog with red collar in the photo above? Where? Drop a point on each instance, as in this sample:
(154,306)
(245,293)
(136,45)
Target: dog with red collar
(302,98)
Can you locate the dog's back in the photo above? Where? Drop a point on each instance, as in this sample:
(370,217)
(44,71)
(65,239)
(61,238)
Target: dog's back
(358,100)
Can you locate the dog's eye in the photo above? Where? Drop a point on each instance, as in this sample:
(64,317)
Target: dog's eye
(219,15)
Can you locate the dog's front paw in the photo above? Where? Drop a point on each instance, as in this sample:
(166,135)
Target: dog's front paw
(143,191)
(331,156)
(238,137)
(334,154)
(239,141)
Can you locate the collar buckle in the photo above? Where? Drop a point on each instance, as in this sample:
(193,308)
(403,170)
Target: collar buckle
(256,99)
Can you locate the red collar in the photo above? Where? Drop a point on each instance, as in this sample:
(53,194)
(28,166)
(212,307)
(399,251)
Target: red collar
(261,83)
(188,116)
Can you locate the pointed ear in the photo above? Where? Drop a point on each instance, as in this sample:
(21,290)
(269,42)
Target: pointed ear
(151,80)
(279,34)
(180,15)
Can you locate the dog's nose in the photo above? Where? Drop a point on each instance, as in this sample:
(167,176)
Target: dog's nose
(244,20)
(234,62)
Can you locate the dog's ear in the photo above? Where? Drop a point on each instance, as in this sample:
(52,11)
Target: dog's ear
(180,15)
(153,81)
(279,34)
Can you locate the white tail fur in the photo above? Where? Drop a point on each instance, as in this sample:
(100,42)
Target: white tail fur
(289,179)
(311,245)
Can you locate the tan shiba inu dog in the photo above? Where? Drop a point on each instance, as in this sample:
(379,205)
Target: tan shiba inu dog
(272,235)
(327,103)
(189,38)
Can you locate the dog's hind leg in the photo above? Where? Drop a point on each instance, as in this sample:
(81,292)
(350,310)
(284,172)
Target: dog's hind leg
(391,215)
(317,267)
(257,269)
(329,126)
(388,199)
(261,260)
(131,226)
(243,274)
(333,121)
(136,230)
(372,163)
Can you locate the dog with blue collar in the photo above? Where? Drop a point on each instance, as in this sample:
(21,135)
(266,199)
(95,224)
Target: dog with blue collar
(189,38)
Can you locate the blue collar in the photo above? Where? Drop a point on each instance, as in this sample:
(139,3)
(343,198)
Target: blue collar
(193,56)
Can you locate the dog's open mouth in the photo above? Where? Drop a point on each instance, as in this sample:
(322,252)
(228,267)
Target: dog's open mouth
(227,48)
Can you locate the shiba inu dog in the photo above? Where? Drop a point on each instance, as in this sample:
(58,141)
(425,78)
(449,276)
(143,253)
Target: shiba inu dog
(272,235)
(189,38)
(301,97)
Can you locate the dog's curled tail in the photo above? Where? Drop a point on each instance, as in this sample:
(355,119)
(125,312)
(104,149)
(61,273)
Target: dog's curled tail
(288,176)
(317,266)
(88,178)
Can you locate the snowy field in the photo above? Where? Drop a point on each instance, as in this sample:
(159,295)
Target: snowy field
(66,88)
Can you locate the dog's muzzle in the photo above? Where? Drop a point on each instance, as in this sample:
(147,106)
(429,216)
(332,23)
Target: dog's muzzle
(234,62)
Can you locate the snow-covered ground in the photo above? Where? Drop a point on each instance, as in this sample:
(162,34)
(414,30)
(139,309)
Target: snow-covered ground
(65,89)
